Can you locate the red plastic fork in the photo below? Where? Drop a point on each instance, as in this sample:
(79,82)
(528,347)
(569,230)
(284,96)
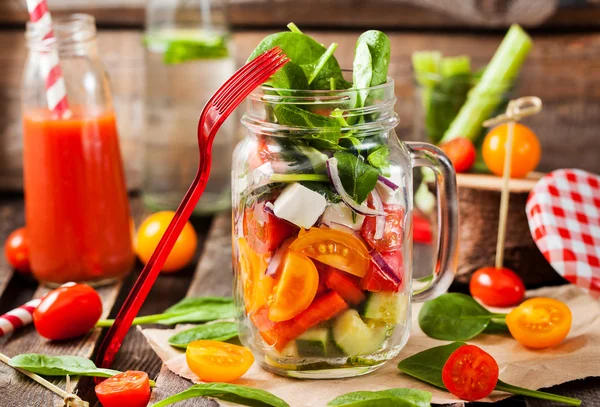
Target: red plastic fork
(217,109)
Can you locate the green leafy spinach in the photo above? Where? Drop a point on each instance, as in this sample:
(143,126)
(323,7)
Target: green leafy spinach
(384,398)
(358,178)
(217,331)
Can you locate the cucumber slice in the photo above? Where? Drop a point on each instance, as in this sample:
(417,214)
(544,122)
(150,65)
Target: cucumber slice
(354,337)
(313,342)
(388,307)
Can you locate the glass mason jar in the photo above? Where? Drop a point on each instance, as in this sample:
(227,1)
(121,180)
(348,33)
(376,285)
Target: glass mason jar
(188,56)
(76,205)
(323,287)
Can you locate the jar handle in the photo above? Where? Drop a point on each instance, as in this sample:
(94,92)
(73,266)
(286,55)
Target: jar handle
(427,155)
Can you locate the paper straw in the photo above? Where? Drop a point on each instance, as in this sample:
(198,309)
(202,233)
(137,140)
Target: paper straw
(56,91)
(18,317)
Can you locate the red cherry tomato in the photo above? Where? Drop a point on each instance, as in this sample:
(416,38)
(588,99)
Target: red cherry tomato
(470,373)
(68,312)
(392,232)
(265,232)
(131,389)
(16,250)
(497,287)
(377,280)
(461,152)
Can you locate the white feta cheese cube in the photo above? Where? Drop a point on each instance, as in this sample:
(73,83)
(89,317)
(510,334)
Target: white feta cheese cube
(299,205)
(260,174)
(341,214)
(387,194)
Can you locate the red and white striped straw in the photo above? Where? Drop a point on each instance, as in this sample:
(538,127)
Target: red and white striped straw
(15,319)
(56,91)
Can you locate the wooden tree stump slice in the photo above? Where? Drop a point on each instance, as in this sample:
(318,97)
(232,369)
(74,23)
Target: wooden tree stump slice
(479,205)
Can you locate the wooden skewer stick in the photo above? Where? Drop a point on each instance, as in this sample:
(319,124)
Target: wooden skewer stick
(515,111)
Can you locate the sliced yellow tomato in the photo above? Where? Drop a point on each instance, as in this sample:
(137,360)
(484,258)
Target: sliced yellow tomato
(295,289)
(540,322)
(214,361)
(335,248)
(252,269)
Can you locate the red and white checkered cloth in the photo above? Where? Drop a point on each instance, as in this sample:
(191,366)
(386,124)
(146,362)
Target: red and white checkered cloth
(563,211)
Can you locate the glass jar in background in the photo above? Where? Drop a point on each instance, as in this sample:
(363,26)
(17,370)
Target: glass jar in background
(322,287)
(76,206)
(188,56)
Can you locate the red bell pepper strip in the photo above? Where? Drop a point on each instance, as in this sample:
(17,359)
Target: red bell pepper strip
(344,284)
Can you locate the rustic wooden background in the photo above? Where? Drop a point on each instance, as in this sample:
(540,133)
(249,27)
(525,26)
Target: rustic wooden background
(563,68)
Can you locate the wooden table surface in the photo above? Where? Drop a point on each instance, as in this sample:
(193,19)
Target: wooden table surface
(210,275)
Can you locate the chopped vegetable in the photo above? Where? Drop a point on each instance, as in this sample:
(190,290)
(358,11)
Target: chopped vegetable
(470,373)
(497,287)
(264,231)
(346,285)
(16,250)
(540,322)
(392,233)
(214,361)
(384,273)
(355,337)
(67,312)
(526,150)
(131,389)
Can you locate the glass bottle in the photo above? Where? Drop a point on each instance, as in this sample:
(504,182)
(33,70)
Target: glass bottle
(188,56)
(76,205)
(322,285)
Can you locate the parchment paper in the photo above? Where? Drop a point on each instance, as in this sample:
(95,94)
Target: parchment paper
(576,358)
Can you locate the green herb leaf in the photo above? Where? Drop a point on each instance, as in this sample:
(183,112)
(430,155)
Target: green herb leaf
(371,62)
(324,189)
(379,157)
(454,316)
(217,331)
(357,177)
(427,365)
(314,69)
(384,398)
(496,326)
(59,365)
(329,128)
(246,396)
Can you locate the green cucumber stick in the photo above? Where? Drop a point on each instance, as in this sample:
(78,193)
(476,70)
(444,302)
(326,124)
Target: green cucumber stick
(452,66)
(484,98)
(427,65)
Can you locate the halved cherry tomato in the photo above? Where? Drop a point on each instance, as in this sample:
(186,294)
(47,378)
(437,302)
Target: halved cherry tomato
(392,233)
(461,152)
(470,373)
(421,229)
(279,334)
(131,389)
(153,229)
(67,312)
(344,284)
(214,361)
(540,322)
(16,250)
(256,286)
(262,153)
(526,150)
(497,287)
(335,248)
(295,288)
(264,231)
(377,280)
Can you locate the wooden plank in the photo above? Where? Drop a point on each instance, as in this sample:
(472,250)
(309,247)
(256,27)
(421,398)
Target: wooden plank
(11,217)
(213,277)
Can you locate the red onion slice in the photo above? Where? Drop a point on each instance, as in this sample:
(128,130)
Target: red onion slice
(386,268)
(379,220)
(278,257)
(334,177)
(388,183)
(340,227)
(270,208)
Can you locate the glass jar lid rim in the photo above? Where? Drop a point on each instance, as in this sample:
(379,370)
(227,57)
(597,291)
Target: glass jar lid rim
(77,28)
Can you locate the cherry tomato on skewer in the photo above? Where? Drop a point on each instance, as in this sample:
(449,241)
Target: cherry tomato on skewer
(131,389)
(16,250)
(497,287)
(470,373)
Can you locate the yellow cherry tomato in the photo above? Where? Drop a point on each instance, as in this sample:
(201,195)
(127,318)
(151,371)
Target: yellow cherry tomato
(295,288)
(526,150)
(256,285)
(214,361)
(540,322)
(152,230)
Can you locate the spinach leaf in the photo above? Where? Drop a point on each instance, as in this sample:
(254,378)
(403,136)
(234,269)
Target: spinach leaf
(301,50)
(59,365)
(496,326)
(324,189)
(371,62)
(454,316)
(358,178)
(190,310)
(218,331)
(379,157)
(384,398)
(427,366)
(246,396)
(329,128)
(312,70)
